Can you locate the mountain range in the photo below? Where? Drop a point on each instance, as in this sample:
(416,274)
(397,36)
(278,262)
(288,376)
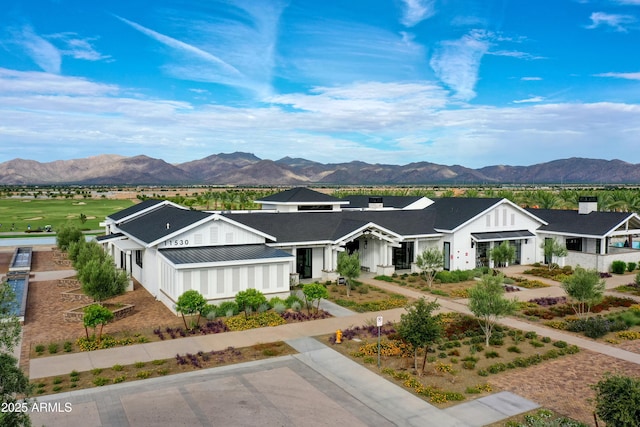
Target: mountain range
(247,169)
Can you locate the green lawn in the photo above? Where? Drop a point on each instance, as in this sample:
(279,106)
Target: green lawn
(41,212)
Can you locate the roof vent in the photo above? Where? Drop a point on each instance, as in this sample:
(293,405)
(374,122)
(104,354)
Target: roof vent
(168,226)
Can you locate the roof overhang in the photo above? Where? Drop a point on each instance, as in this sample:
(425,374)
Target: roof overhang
(495,236)
(110,238)
(127,245)
(373,230)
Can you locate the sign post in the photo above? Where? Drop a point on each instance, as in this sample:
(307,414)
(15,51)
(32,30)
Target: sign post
(379,323)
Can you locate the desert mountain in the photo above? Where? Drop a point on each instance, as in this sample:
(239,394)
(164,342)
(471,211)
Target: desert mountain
(247,169)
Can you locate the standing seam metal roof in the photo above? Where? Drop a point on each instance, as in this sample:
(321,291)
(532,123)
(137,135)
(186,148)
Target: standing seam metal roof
(222,254)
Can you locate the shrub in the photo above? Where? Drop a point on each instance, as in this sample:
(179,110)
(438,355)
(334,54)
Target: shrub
(560,344)
(280,307)
(100,381)
(117,368)
(491,354)
(67,346)
(143,374)
(227,307)
(631,266)
(514,349)
(120,379)
(296,306)
(292,299)
(39,349)
(618,267)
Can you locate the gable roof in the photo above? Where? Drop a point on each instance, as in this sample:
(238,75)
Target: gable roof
(595,223)
(152,226)
(300,195)
(132,210)
(452,212)
(291,227)
(222,254)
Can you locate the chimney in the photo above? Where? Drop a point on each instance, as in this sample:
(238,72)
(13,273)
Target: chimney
(587,204)
(375,203)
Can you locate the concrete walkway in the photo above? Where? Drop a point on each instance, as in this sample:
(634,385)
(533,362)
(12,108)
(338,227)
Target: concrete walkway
(316,387)
(394,404)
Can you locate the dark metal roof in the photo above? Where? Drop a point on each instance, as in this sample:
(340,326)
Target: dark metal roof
(397,202)
(134,209)
(153,225)
(222,254)
(300,195)
(451,212)
(501,235)
(595,223)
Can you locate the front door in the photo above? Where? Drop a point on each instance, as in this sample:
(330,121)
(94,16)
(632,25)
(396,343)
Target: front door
(303,262)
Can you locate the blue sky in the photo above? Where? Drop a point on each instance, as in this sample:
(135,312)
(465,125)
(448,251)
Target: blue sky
(469,82)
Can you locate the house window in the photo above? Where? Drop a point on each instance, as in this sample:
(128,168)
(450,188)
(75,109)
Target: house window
(139,258)
(574,244)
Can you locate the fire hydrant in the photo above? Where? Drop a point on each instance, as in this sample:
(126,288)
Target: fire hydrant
(338,336)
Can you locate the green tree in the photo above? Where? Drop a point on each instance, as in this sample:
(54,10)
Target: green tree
(96,315)
(314,292)
(249,300)
(101,280)
(13,382)
(420,328)
(553,250)
(618,400)
(349,268)
(488,304)
(585,288)
(429,262)
(66,234)
(83,218)
(503,254)
(189,303)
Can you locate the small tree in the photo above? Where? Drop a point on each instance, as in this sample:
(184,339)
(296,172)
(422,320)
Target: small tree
(314,292)
(553,250)
(13,382)
(66,234)
(420,328)
(100,279)
(349,267)
(488,304)
(250,300)
(190,303)
(618,400)
(429,262)
(96,315)
(502,254)
(585,288)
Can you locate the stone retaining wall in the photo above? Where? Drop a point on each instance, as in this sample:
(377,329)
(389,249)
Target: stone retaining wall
(76,295)
(69,283)
(76,314)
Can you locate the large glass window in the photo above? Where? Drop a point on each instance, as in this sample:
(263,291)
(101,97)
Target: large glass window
(574,244)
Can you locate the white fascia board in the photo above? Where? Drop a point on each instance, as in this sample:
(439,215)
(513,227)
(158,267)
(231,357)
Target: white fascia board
(423,236)
(300,244)
(560,233)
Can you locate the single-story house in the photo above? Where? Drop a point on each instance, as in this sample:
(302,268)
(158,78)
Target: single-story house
(300,232)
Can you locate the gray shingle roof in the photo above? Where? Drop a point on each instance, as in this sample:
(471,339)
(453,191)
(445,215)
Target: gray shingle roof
(452,212)
(134,209)
(300,195)
(153,225)
(222,254)
(570,221)
(397,202)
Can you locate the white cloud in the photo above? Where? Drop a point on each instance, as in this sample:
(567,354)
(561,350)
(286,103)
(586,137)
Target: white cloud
(76,47)
(627,76)
(529,100)
(615,21)
(457,62)
(51,117)
(531,78)
(41,51)
(416,11)
(514,54)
